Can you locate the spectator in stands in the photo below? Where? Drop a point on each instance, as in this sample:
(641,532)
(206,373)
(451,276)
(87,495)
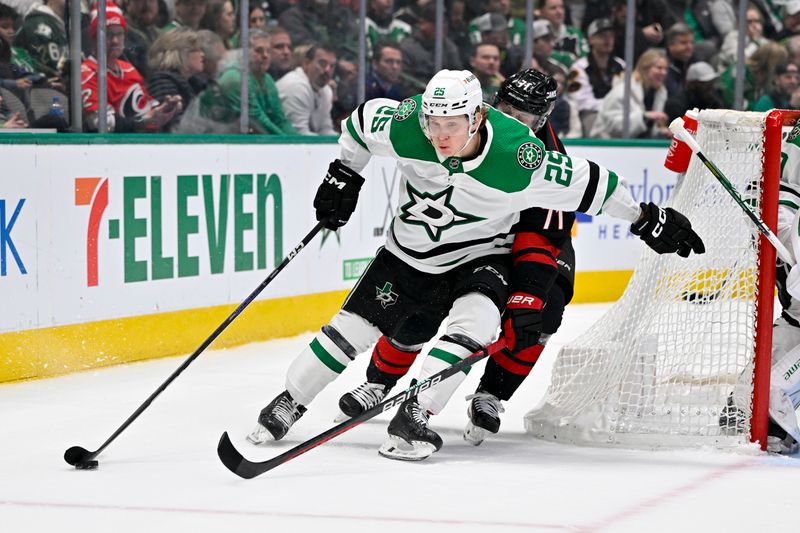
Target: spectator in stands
(17,68)
(592,77)
(543,44)
(492,28)
(792,45)
(418,50)
(306,94)
(281,52)
(130,106)
(791,20)
(568,39)
(12,78)
(564,118)
(458,29)
(382,26)
(758,73)
(142,31)
(785,90)
(188,13)
(383,76)
(214,52)
(648,97)
(700,91)
(176,60)
(680,47)
(755,38)
(222,103)
(221,19)
(652,16)
(485,64)
(257,17)
(712,21)
(306,21)
(44,37)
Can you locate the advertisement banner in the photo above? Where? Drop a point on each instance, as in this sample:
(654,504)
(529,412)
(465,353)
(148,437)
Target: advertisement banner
(95,232)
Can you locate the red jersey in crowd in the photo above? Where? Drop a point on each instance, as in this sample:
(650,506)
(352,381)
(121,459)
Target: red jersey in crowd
(126,92)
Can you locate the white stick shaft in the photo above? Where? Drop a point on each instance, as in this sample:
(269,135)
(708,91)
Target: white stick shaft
(678,129)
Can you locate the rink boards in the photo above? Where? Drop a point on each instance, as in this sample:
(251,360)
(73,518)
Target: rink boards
(121,248)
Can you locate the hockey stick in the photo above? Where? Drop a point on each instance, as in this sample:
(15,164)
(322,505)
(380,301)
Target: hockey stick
(236,463)
(677,128)
(84,459)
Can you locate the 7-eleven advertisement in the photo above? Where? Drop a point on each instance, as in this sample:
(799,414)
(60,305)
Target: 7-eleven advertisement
(94,232)
(98,232)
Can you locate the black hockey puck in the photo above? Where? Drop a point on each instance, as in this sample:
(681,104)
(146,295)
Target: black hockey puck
(86,465)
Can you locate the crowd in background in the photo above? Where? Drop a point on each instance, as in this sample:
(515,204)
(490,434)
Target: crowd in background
(175,65)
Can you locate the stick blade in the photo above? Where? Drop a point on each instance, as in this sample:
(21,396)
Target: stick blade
(76,455)
(233,460)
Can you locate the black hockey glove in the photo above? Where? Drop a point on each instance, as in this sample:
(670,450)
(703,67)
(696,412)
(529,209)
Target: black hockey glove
(522,322)
(667,231)
(337,195)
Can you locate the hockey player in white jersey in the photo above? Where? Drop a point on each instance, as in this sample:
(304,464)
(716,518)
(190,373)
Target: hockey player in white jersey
(467,172)
(784,398)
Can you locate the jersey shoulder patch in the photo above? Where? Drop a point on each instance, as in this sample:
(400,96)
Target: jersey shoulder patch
(406,134)
(512,157)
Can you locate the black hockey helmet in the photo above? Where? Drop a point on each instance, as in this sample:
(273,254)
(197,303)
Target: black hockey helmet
(529,91)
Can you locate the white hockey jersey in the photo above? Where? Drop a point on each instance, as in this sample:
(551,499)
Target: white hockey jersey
(454,210)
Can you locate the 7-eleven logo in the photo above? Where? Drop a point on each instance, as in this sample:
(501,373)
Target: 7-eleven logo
(92,192)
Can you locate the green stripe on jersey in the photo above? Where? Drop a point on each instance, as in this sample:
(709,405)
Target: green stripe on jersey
(787,203)
(354,134)
(448,358)
(326,358)
(613,180)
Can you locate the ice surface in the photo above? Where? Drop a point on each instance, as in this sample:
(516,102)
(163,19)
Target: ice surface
(162,473)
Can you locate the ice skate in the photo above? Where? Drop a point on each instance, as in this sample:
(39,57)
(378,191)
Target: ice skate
(484,417)
(410,439)
(276,419)
(361,399)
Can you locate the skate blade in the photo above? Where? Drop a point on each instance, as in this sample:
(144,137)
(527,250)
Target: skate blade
(341,417)
(787,446)
(397,448)
(260,435)
(475,435)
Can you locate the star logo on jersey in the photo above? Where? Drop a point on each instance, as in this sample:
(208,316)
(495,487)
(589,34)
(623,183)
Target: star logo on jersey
(44,30)
(434,212)
(405,109)
(385,295)
(530,155)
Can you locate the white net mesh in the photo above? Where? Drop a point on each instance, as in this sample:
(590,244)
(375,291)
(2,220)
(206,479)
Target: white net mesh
(658,368)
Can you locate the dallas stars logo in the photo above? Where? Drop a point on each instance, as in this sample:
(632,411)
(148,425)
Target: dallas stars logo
(530,155)
(434,212)
(405,109)
(385,295)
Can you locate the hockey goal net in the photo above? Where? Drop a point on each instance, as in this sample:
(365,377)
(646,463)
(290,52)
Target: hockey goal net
(657,370)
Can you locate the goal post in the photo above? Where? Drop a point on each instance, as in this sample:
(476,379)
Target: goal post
(682,359)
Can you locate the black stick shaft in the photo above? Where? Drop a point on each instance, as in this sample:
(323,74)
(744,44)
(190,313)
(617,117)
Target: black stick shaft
(247,301)
(236,462)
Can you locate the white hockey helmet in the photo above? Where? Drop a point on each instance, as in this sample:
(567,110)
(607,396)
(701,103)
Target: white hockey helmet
(451,93)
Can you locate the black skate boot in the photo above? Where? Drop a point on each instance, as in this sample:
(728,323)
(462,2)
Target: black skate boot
(361,399)
(484,416)
(779,441)
(276,419)
(410,439)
